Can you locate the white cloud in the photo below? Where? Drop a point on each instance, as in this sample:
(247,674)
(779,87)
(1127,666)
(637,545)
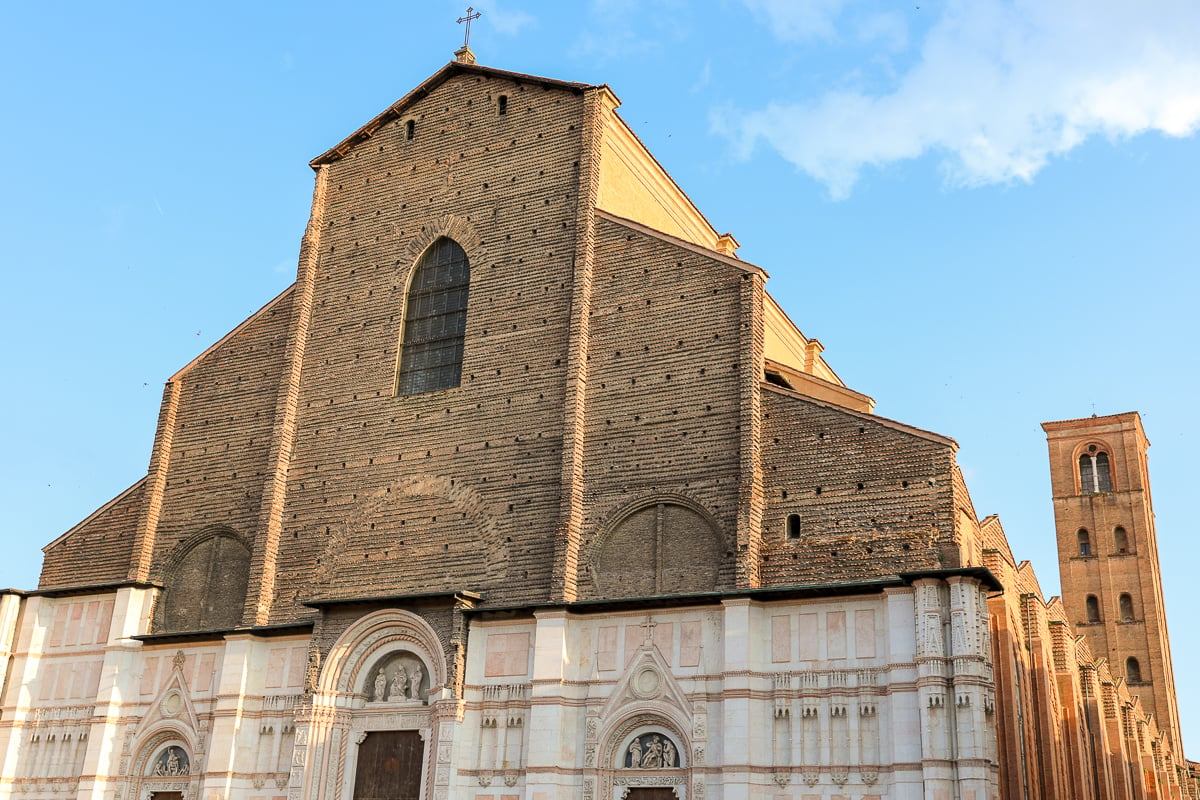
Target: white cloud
(797,20)
(999,89)
(504,21)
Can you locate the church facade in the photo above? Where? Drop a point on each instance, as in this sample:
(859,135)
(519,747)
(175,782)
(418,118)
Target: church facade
(526,489)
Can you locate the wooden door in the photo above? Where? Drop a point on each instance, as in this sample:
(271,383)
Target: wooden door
(389,766)
(646,793)
(166,796)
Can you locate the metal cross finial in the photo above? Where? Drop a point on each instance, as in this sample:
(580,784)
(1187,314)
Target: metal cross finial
(467,19)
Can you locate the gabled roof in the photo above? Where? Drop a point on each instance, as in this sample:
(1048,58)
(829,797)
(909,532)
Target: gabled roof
(435,80)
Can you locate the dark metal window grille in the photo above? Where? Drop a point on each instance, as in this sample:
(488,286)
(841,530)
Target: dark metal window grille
(435,320)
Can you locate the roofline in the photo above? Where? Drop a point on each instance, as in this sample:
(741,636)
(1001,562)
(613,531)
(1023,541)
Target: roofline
(451,69)
(920,433)
(457,596)
(744,266)
(658,163)
(87,588)
(238,329)
(95,514)
(770,299)
(769,594)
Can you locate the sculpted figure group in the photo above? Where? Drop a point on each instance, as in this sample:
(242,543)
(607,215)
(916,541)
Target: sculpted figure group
(657,753)
(405,685)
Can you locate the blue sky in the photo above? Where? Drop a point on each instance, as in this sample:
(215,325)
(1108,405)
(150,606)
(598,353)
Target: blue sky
(986,210)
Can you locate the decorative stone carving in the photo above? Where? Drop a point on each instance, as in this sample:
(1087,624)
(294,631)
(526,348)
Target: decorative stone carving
(652,751)
(397,677)
(173,761)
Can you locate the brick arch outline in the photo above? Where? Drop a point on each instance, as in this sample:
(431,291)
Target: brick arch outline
(466,500)
(174,557)
(377,634)
(614,520)
(1081,448)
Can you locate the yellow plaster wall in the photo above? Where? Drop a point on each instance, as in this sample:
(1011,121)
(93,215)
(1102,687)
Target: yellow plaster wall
(634,185)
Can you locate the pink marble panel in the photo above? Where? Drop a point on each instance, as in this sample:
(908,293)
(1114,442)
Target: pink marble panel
(835,634)
(59,625)
(49,675)
(65,673)
(864,633)
(689,644)
(73,624)
(810,645)
(276,666)
(149,675)
(90,634)
(634,634)
(781,638)
(507,654)
(606,648)
(106,612)
(204,673)
(297,663)
(664,640)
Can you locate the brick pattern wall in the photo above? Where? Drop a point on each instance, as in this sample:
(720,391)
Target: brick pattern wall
(873,500)
(98,549)
(469,473)
(662,396)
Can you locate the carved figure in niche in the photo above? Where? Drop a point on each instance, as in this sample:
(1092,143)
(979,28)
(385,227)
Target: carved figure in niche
(652,758)
(414,682)
(380,686)
(668,758)
(635,753)
(399,688)
(172,762)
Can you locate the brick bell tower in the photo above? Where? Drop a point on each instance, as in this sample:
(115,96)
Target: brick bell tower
(1108,555)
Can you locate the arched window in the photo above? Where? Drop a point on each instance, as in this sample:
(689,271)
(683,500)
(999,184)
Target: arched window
(1085,542)
(1133,670)
(793,526)
(1125,603)
(435,320)
(1121,540)
(1094,474)
(1093,608)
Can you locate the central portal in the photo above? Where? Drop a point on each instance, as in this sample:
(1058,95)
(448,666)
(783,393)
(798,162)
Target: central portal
(389,766)
(645,793)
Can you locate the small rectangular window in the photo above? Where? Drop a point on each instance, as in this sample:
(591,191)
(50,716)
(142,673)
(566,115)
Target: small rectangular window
(502,105)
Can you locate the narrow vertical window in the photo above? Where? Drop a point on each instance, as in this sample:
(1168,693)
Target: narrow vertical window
(502,104)
(1085,542)
(1093,608)
(1103,479)
(435,320)
(1121,540)
(1126,605)
(793,526)
(1133,670)
(1087,475)
(410,129)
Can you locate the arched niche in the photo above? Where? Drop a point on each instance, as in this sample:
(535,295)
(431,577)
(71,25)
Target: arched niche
(398,728)
(398,676)
(662,752)
(661,545)
(165,764)
(205,583)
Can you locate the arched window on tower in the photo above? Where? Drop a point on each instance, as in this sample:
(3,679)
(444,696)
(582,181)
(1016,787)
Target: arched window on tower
(435,320)
(1133,670)
(1093,608)
(1125,602)
(1120,540)
(1094,474)
(1085,542)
